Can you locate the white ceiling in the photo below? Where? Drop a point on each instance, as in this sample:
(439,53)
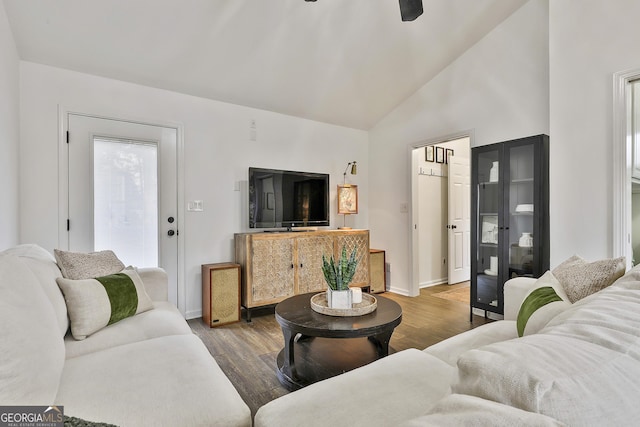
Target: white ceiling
(347,62)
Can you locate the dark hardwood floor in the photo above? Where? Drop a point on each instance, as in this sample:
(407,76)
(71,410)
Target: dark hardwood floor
(247,352)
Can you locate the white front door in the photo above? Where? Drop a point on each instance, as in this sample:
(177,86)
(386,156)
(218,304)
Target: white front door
(122,192)
(459,221)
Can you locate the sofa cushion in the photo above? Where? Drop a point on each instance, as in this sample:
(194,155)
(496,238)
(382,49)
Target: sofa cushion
(155,282)
(582,369)
(79,265)
(386,392)
(167,381)
(543,302)
(43,265)
(450,349)
(95,303)
(163,320)
(580,278)
(32,353)
(460,410)
(573,381)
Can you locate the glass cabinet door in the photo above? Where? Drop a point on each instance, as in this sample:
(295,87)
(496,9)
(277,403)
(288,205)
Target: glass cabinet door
(520,210)
(489,223)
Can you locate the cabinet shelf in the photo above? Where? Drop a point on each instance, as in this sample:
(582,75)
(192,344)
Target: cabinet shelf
(522,181)
(488,245)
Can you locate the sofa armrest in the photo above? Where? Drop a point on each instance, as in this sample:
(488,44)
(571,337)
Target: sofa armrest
(515,290)
(156,283)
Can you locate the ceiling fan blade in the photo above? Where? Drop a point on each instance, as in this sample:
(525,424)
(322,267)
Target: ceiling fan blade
(410,9)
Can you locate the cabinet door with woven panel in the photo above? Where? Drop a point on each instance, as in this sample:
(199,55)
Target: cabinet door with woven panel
(360,241)
(272,270)
(309,251)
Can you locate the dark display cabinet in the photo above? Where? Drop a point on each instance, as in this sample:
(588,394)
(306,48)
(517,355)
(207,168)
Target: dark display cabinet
(510,211)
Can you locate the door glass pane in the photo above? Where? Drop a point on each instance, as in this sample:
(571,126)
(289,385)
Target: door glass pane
(521,208)
(125,197)
(489,202)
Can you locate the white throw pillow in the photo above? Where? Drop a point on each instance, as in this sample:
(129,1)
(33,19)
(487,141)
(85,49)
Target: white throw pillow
(544,302)
(95,303)
(581,278)
(79,265)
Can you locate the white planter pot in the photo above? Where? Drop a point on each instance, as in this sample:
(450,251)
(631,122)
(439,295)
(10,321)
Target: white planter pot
(338,299)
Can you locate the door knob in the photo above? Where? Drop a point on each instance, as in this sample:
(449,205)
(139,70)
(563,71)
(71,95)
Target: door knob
(454,227)
(170,220)
(171,233)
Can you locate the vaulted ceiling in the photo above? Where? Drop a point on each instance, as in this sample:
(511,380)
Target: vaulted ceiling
(347,62)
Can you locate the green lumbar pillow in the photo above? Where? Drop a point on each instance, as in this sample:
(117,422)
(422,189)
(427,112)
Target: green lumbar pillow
(93,304)
(546,300)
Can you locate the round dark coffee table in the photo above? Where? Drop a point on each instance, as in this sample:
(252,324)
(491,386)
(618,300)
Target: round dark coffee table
(311,353)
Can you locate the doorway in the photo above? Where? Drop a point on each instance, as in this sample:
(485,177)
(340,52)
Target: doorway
(121,192)
(441,212)
(626,161)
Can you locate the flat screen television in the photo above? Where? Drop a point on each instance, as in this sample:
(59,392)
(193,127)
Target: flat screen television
(279,198)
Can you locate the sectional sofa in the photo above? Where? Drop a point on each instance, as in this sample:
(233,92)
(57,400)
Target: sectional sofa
(576,365)
(147,369)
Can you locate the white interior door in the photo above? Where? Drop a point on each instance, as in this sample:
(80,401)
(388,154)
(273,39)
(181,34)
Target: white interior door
(122,192)
(459,221)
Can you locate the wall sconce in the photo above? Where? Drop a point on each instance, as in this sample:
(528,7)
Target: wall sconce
(354,171)
(348,196)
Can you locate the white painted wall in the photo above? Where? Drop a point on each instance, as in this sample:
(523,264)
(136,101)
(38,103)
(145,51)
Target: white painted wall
(217,155)
(9,134)
(497,89)
(589,41)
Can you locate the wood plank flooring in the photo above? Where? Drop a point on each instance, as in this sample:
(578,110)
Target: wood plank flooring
(247,352)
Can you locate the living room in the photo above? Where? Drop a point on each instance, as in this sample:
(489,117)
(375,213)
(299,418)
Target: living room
(547,68)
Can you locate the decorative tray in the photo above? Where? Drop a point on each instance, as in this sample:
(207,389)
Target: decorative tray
(368,304)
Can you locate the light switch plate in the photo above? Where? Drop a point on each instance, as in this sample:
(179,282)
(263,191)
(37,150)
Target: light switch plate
(195,206)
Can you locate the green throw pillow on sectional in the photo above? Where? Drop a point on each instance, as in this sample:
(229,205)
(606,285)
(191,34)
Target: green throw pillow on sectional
(546,300)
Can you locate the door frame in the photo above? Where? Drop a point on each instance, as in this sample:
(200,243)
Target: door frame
(63,180)
(414,285)
(622,158)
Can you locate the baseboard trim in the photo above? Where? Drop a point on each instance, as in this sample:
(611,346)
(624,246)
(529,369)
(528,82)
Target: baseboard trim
(193,314)
(441,281)
(402,292)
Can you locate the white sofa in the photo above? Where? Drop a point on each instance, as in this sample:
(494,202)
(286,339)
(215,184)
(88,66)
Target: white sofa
(581,369)
(149,369)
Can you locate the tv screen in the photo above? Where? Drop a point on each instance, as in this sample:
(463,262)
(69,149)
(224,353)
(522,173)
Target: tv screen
(279,198)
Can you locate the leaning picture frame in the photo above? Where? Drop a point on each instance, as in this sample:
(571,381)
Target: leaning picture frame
(428,151)
(439,154)
(347,199)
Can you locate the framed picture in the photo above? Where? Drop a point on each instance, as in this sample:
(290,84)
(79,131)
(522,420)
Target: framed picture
(428,150)
(347,199)
(448,155)
(439,154)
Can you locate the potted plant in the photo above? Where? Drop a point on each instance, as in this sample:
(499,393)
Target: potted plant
(338,275)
